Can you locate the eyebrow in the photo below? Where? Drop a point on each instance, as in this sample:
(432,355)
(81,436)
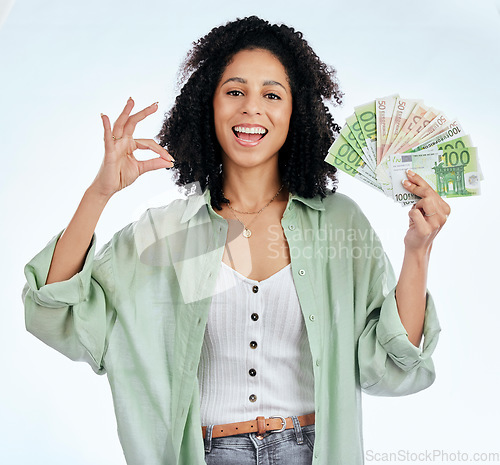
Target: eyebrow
(244,81)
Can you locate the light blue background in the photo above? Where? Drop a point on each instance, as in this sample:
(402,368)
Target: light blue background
(64,62)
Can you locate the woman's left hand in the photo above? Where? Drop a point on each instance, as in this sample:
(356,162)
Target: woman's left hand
(427,216)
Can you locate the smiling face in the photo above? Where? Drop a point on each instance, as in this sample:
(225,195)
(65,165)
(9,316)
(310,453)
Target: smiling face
(252,108)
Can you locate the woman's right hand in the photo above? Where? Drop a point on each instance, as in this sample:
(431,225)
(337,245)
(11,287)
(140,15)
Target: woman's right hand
(120,168)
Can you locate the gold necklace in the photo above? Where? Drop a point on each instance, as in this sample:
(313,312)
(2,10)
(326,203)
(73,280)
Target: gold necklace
(246,229)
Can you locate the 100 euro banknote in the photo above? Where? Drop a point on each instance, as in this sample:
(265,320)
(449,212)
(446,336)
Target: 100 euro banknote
(451,173)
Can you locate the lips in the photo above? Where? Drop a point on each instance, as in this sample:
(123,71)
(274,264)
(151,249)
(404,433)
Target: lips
(250,134)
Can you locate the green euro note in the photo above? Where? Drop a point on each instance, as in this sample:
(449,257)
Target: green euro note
(458,174)
(351,139)
(334,161)
(367,118)
(344,151)
(458,143)
(452,173)
(355,127)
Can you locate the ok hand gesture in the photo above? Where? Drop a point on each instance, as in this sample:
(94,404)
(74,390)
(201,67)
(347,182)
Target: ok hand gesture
(119,167)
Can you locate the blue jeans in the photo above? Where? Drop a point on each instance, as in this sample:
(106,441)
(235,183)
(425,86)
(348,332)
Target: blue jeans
(290,447)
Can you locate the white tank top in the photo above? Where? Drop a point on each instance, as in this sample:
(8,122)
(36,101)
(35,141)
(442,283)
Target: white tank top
(255,358)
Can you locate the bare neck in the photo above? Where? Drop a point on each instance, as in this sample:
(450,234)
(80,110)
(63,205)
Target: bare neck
(252,189)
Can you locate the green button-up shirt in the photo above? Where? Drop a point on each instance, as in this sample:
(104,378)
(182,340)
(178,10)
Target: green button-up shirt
(138,310)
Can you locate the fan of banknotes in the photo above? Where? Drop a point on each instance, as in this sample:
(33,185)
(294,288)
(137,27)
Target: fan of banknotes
(387,136)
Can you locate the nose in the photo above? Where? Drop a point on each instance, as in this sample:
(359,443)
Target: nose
(251,105)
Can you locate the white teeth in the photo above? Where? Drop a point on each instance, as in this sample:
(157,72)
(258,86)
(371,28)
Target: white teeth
(250,130)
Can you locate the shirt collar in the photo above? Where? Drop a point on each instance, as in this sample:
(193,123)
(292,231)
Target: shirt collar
(196,201)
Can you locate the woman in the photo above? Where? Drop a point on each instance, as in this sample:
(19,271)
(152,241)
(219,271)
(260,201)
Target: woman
(264,294)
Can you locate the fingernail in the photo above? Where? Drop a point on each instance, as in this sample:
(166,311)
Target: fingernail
(130,98)
(102,115)
(406,183)
(156,103)
(409,172)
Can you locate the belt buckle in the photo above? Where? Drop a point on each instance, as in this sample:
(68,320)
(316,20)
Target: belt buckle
(268,432)
(283,425)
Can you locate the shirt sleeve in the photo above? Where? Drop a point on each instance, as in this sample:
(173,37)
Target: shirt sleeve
(74,316)
(389,364)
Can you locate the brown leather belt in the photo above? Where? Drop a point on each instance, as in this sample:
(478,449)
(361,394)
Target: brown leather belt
(261,425)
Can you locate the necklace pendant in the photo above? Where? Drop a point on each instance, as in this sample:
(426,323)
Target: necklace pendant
(246,233)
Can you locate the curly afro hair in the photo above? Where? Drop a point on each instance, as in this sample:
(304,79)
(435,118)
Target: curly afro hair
(188,131)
